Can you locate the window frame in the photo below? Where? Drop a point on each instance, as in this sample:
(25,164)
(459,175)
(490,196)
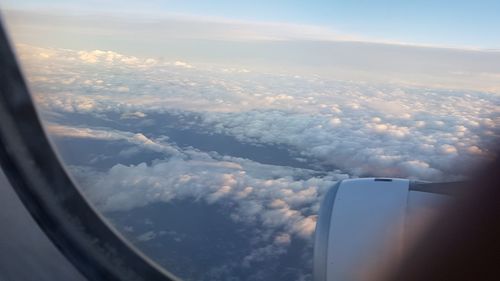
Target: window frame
(40,180)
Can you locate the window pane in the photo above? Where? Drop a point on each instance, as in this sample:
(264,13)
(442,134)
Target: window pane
(208,132)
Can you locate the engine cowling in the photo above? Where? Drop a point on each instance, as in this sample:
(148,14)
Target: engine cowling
(363,223)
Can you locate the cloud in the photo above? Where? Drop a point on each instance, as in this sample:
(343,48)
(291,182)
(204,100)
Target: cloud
(157,145)
(182,64)
(173,26)
(363,145)
(274,203)
(146,236)
(280,202)
(105,57)
(341,129)
(133,115)
(269,46)
(360,128)
(276,197)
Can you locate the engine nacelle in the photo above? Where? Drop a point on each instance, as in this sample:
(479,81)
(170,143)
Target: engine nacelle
(364,221)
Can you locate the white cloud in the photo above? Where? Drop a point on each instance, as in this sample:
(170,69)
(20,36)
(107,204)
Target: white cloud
(359,128)
(448,149)
(261,254)
(335,121)
(272,196)
(276,203)
(108,57)
(146,236)
(474,150)
(283,238)
(122,89)
(183,64)
(280,202)
(112,135)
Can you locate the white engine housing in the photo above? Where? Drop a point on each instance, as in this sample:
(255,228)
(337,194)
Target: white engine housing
(364,221)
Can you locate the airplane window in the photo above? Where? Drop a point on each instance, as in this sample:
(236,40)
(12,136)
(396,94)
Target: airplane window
(209,132)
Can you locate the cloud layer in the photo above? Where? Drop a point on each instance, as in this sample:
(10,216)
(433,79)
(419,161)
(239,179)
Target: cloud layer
(340,129)
(280,203)
(364,129)
(275,46)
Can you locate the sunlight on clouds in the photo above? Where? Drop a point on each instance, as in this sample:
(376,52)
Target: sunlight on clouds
(256,118)
(127,187)
(107,57)
(346,125)
(336,129)
(183,64)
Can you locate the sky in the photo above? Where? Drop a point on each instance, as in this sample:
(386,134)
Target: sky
(438,23)
(419,44)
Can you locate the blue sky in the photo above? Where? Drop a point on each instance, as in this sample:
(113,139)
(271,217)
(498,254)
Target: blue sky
(442,23)
(445,45)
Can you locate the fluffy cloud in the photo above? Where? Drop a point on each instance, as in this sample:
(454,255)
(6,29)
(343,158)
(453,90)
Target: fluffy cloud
(281,202)
(182,64)
(342,129)
(363,145)
(157,145)
(284,202)
(278,197)
(360,128)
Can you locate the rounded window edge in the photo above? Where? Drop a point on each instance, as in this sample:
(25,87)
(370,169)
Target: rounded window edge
(48,193)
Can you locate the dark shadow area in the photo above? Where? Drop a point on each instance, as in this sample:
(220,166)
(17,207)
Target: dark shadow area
(26,254)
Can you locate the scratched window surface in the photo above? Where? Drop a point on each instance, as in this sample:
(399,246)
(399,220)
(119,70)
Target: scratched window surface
(208,132)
